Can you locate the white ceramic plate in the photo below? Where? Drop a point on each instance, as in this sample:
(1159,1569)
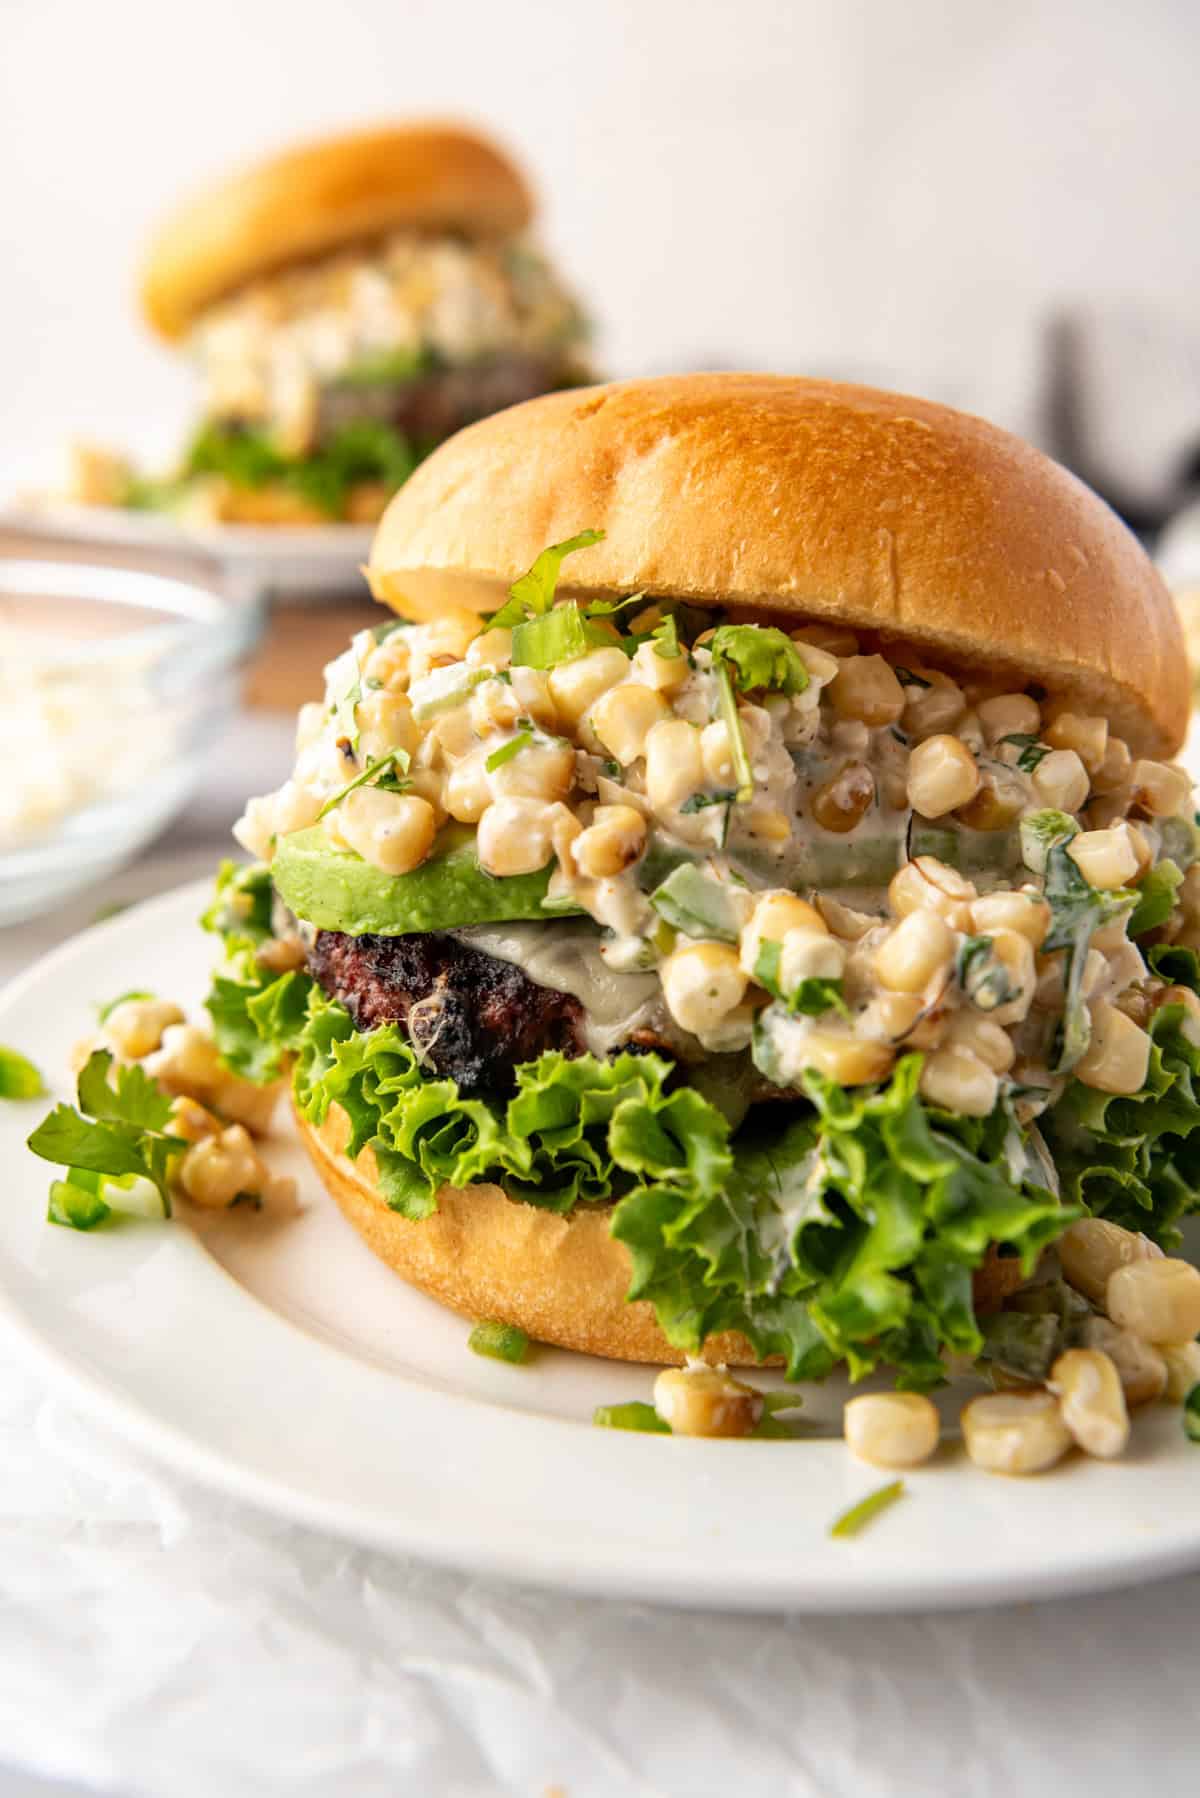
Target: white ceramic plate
(291,561)
(278,1360)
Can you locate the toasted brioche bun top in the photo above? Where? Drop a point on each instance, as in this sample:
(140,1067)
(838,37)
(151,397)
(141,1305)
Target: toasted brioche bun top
(889,514)
(320,197)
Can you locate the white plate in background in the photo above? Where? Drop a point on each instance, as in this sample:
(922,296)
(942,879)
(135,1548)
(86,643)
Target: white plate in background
(278,1360)
(295,562)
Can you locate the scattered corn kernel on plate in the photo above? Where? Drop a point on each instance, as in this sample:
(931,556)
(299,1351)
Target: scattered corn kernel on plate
(270,1355)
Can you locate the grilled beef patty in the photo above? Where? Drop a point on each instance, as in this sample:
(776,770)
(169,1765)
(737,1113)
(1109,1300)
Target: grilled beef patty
(472,1018)
(434,406)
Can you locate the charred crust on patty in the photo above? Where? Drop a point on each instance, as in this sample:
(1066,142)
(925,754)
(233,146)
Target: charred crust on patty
(470,1017)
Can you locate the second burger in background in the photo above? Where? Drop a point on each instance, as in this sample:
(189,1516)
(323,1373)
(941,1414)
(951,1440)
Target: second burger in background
(349,304)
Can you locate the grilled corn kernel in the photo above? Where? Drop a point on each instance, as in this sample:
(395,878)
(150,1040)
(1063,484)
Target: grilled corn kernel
(820,665)
(515,835)
(929,711)
(942,775)
(850,925)
(929,883)
(844,800)
(193,1121)
(1183,1369)
(1105,858)
(958,1080)
(623,717)
(1092,1401)
(1015,955)
(1091,1250)
(661,673)
(850,1060)
(865,688)
(1113,772)
(135,1027)
(701,983)
(982,1038)
(773,916)
(834,639)
(809,955)
(706,1401)
(1015,1432)
(717,754)
(1141,1369)
(674,770)
(1026,913)
(493,706)
(188,1062)
(388,663)
(611,843)
(491,650)
(1060,780)
(576,686)
(1009,715)
(998,803)
(1158,1300)
(385,722)
(918,950)
(1159,790)
(1118,1055)
(467,791)
(392,831)
(1087,736)
(891,1429)
(543,770)
(217,1168)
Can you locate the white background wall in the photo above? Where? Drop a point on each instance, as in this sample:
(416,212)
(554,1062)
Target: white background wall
(897,190)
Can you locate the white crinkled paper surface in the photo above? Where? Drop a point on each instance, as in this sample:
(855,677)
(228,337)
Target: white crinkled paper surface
(156,1638)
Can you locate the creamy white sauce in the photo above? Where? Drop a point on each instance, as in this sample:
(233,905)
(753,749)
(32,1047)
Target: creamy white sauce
(566,957)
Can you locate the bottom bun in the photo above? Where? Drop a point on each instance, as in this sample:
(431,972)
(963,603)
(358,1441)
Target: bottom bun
(562,1280)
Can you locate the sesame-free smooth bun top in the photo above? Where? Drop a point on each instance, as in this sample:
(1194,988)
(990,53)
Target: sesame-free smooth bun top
(889,514)
(317,198)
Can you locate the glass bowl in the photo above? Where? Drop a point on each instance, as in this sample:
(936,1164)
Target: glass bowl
(115,684)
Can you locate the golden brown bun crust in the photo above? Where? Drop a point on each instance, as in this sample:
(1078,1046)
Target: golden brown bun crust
(893,515)
(321,197)
(560,1280)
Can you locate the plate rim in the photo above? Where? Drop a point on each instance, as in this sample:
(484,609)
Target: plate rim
(846,1584)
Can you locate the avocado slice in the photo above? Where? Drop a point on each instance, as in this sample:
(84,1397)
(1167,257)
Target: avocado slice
(336,890)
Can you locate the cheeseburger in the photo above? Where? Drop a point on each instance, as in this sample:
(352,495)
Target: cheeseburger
(348,305)
(740,903)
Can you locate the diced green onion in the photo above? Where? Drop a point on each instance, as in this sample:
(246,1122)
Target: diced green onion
(499,1342)
(444,689)
(696,904)
(75,1208)
(636,1415)
(506,751)
(562,635)
(867,1509)
(19,1079)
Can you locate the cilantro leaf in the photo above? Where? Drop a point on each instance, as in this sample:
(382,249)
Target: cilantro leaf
(533,594)
(119,1128)
(759,655)
(372,775)
(1032,752)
